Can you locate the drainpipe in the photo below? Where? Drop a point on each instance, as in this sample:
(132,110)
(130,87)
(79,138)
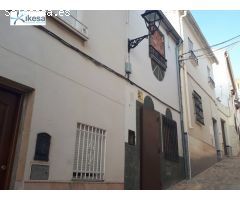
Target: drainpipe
(183,92)
(189,120)
(183,133)
(182,70)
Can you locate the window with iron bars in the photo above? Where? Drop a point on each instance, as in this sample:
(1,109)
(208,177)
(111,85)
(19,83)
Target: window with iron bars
(192,55)
(89,156)
(71,20)
(198,107)
(170,139)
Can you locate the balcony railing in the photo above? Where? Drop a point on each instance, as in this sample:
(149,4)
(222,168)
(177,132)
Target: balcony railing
(211,81)
(72,24)
(193,58)
(157,57)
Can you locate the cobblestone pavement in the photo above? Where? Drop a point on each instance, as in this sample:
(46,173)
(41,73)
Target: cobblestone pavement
(224,175)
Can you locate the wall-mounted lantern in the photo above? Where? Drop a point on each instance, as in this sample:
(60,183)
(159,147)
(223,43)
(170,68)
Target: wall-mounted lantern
(152,20)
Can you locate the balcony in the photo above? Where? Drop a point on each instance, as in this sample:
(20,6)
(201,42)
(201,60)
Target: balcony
(193,58)
(72,24)
(157,57)
(211,81)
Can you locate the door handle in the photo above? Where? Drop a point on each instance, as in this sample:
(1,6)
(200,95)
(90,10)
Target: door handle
(3,167)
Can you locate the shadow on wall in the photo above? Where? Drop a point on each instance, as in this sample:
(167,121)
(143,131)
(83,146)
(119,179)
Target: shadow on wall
(203,155)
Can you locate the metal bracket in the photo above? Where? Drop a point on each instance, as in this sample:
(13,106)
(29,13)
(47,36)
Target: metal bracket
(134,42)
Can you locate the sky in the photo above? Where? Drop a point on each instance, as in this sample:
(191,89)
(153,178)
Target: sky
(221,25)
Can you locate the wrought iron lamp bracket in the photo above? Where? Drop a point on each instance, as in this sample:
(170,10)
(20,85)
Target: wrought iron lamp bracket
(134,42)
(152,18)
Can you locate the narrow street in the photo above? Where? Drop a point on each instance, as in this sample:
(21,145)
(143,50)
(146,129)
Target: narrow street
(224,175)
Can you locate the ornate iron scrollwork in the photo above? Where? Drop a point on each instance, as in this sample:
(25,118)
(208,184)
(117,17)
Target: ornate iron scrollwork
(134,42)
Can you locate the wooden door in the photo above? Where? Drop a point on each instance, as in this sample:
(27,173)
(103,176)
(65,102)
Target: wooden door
(9,112)
(150,150)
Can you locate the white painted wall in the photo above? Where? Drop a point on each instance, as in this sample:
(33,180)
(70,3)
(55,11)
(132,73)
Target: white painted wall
(142,74)
(197,79)
(222,79)
(227,110)
(69,89)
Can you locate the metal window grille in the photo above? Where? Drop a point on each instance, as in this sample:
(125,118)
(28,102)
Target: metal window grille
(198,107)
(72,22)
(190,44)
(89,156)
(170,139)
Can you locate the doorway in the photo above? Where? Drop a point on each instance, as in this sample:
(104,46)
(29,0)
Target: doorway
(150,172)
(224,137)
(10,109)
(216,138)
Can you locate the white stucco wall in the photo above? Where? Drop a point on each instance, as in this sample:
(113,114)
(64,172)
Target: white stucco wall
(69,89)
(197,76)
(142,74)
(222,79)
(227,110)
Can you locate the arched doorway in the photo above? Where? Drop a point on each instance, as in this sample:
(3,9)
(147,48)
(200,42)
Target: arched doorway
(150,147)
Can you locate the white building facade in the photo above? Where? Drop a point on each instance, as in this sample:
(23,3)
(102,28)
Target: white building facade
(201,121)
(78,115)
(228,104)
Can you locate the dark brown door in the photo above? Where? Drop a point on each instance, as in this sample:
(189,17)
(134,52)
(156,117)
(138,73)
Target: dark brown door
(9,111)
(150,150)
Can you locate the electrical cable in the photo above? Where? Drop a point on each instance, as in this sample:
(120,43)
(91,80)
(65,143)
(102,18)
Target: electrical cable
(211,54)
(228,49)
(219,49)
(209,48)
(217,43)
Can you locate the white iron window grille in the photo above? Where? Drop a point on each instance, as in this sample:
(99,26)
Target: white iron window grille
(198,107)
(89,156)
(71,21)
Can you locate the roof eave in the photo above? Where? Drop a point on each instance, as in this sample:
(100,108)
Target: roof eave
(170,28)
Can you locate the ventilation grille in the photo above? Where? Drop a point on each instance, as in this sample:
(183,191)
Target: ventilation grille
(89,156)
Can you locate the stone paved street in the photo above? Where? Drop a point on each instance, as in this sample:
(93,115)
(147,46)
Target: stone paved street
(224,175)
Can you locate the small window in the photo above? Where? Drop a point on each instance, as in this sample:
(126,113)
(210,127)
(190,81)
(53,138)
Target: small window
(209,71)
(198,107)
(190,45)
(192,55)
(89,156)
(71,19)
(168,113)
(210,77)
(210,74)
